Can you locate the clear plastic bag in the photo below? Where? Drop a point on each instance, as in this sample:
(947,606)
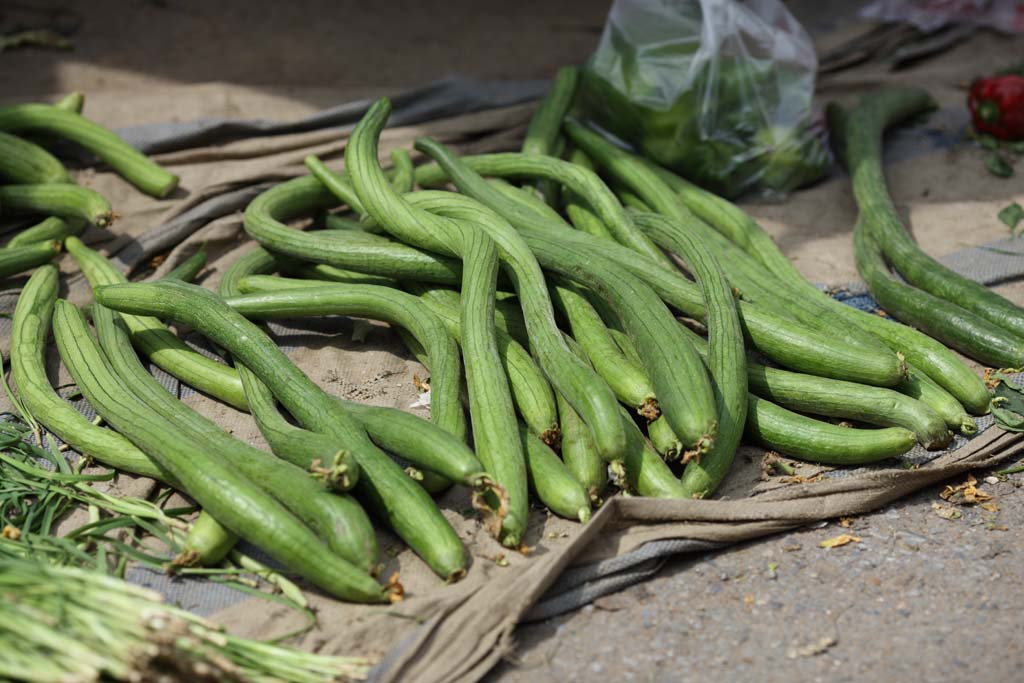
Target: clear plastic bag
(718,90)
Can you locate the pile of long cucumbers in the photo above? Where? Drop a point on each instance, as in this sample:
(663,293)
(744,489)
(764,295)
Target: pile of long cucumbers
(592,324)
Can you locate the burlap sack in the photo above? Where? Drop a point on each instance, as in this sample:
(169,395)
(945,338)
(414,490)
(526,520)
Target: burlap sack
(457,632)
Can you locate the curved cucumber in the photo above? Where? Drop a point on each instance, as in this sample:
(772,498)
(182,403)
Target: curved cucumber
(934,359)
(136,168)
(626,378)
(552,482)
(31,326)
(14,260)
(157,342)
(382,484)
(336,519)
(944,320)
(230,498)
(273,297)
(531,391)
(726,358)
(362,252)
(805,438)
(862,135)
(24,162)
(56,199)
(52,228)
(592,399)
(581,181)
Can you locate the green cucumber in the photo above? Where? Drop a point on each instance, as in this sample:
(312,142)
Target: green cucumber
(336,519)
(726,362)
(627,379)
(841,399)
(206,544)
(681,382)
(335,183)
(920,386)
(73,101)
(556,488)
(973,335)
(528,198)
(26,163)
(543,134)
(531,391)
(16,260)
(579,180)
(322,271)
(931,357)
(52,228)
(135,167)
(862,135)
(31,326)
(403,178)
(579,453)
(157,342)
(665,440)
(588,395)
(785,341)
(383,486)
(56,199)
(234,501)
(643,470)
(406,435)
(805,438)
(189,269)
(367,253)
(495,433)
(275,297)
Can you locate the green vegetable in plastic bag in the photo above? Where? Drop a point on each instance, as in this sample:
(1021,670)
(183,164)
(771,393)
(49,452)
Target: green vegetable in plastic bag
(717,90)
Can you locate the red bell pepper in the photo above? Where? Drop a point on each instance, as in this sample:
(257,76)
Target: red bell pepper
(997,106)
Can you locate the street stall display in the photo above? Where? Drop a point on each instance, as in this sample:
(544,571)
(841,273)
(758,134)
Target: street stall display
(470,363)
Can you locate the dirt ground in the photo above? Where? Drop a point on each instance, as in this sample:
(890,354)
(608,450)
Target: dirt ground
(919,595)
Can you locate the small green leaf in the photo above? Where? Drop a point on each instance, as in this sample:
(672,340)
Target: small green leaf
(1017,146)
(1008,406)
(998,166)
(988,142)
(1011,215)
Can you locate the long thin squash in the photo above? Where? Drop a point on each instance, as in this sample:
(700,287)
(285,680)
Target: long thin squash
(231,499)
(495,433)
(56,199)
(531,391)
(136,168)
(972,335)
(265,219)
(627,379)
(581,181)
(863,133)
(19,259)
(578,452)
(726,362)
(681,382)
(674,367)
(543,134)
(573,379)
(383,486)
(552,482)
(273,297)
(931,357)
(52,228)
(157,342)
(24,162)
(336,519)
(31,326)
